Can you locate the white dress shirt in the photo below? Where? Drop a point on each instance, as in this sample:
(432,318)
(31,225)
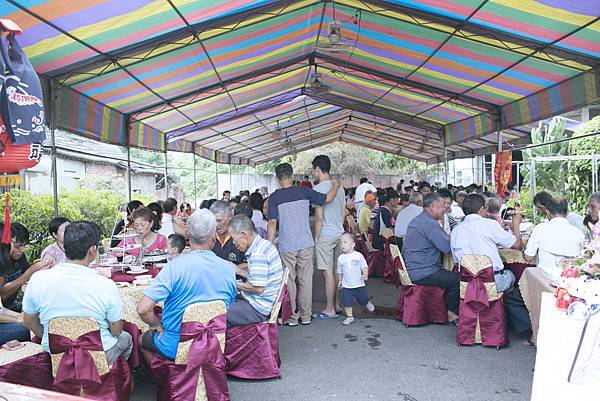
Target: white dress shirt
(404,218)
(577,221)
(479,236)
(457,211)
(166,225)
(552,241)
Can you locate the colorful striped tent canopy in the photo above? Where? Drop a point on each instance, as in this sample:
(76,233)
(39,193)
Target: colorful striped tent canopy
(245,82)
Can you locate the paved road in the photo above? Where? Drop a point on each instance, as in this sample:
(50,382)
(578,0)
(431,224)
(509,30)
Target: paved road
(377,358)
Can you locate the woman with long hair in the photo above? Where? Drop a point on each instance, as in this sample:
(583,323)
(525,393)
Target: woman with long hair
(15,269)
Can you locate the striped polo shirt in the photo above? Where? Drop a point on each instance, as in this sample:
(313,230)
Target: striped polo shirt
(264,270)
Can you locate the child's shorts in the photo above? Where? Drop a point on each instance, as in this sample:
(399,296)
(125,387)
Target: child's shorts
(359,293)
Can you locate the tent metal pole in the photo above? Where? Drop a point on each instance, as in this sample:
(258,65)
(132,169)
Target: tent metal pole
(166,175)
(53,145)
(195,187)
(126,127)
(230,185)
(533,188)
(217,179)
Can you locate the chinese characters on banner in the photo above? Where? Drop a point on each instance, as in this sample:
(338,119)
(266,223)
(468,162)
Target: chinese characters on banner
(503,171)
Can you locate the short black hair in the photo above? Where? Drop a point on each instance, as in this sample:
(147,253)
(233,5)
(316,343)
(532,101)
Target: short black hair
(132,205)
(284,171)
(256,201)
(542,198)
(19,233)
(55,223)
(558,206)
(80,236)
(322,162)
(472,203)
(363,180)
(445,193)
(170,205)
(243,208)
(424,184)
(177,241)
(393,194)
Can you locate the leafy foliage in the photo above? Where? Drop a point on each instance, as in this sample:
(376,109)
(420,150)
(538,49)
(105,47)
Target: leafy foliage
(580,171)
(549,176)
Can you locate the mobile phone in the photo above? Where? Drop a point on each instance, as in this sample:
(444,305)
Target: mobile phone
(13,345)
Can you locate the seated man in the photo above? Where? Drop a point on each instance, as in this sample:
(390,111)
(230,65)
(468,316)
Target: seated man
(364,216)
(384,218)
(424,245)
(542,199)
(406,215)
(72,289)
(554,240)
(198,276)
(224,246)
(477,235)
(264,275)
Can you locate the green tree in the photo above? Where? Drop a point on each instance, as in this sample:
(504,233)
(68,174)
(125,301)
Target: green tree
(580,171)
(549,176)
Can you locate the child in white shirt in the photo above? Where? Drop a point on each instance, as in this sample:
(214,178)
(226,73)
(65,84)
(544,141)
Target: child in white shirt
(353,271)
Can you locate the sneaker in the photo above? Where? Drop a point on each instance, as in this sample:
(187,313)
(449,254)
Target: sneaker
(304,321)
(292,323)
(348,321)
(370,307)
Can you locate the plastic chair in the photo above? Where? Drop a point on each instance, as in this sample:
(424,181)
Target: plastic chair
(417,304)
(79,364)
(252,351)
(198,371)
(482,316)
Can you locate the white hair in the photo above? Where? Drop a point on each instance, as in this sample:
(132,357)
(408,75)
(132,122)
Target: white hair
(201,226)
(221,207)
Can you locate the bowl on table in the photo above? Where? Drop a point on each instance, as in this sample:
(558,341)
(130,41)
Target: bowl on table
(143,279)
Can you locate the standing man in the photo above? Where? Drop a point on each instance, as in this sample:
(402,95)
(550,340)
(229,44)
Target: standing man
(329,227)
(361,190)
(289,206)
(168,223)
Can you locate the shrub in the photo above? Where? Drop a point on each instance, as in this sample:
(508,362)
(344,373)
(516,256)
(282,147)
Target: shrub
(580,171)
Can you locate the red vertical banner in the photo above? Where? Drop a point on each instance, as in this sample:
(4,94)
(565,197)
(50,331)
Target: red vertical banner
(503,171)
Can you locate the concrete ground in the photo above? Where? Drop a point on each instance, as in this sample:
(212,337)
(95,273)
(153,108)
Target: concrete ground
(377,358)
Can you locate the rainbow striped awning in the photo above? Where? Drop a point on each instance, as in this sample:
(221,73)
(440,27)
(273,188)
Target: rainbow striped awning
(233,80)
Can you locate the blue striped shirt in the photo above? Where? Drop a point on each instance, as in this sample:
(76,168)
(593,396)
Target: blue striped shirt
(264,270)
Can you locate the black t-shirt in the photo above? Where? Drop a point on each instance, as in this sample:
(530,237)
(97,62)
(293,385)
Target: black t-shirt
(229,252)
(14,272)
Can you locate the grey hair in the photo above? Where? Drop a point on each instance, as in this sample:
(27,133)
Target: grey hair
(201,226)
(493,204)
(415,198)
(240,223)
(430,199)
(461,194)
(221,207)
(595,197)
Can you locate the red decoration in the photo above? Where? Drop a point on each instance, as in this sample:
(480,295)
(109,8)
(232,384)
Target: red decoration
(503,171)
(17,157)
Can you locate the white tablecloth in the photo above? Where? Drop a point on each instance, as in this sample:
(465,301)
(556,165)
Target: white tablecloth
(558,337)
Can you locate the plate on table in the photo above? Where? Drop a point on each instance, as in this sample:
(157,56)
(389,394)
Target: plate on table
(139,271)
(155,258)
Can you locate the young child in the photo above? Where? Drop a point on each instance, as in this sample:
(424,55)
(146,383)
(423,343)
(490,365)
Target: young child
(353,271)
(176,246)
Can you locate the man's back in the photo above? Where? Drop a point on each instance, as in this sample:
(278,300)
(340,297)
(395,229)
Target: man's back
(333,213)
(199,276)
(70,290)
(290,206)
(404,217)
(552,241)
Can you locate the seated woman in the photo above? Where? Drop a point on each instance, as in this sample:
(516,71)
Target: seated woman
(146,223)
(56,250)
(122,224)
(11,326)
(15,269)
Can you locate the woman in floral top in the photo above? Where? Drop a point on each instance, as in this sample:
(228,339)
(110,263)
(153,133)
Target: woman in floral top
(56,250)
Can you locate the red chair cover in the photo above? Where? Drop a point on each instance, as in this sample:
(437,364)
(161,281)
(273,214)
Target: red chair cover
(517,269)
(476,306)
(136,359)
(286,305)
(33,371)
(376,261)
(178,382)
(390,273)
(252,351)
(77,372)
(361,247)
(421,304)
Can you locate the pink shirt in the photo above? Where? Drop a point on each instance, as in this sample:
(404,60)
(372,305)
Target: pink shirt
(55,252)
(160,243)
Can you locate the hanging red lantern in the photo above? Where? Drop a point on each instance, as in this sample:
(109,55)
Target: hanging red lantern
(17,157)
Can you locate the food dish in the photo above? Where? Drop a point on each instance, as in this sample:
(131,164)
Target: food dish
(139,271)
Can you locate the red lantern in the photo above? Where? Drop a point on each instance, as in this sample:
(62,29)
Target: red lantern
(17,157)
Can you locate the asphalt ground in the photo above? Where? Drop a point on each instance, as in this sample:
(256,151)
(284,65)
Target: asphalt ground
(377,358)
